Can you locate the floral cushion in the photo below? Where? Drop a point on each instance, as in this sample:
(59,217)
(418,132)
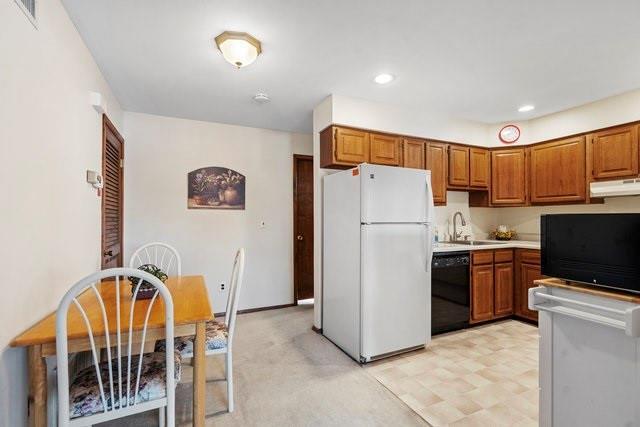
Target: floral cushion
(216,334)
(84,393)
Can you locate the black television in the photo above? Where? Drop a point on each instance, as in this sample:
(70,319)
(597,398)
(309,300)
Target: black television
(598,249)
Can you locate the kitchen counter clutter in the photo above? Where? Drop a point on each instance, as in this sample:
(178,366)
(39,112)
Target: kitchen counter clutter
(485,245)
(589,354)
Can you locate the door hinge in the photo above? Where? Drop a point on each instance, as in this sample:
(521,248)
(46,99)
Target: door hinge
(121,163)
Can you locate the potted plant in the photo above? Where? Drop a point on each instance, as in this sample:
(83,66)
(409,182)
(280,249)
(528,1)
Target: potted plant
(146,289)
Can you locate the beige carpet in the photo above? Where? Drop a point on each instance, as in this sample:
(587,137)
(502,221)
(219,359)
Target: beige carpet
(485,376)
(287,375)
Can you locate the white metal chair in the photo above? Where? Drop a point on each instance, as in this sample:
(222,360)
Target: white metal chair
(86,399)
(160,254)
(219,335)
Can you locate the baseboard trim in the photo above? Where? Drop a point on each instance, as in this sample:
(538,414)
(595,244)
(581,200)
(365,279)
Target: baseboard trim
(253,310)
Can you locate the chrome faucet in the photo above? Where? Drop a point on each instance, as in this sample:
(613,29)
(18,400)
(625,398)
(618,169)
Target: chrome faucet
(457,235)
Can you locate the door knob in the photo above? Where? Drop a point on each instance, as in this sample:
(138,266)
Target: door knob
(300,237)
(108,253)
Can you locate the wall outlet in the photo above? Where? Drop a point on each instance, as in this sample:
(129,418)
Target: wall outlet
(222,286)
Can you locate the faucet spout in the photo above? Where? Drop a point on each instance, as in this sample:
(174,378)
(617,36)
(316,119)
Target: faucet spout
(457,235)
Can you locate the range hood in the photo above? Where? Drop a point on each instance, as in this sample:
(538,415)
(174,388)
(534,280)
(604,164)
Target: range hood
(623,187)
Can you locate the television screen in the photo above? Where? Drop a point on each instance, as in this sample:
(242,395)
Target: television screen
(599,249)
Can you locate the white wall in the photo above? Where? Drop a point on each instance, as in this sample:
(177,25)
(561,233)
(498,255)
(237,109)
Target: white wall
(606,112)
(49,137)
(160,151)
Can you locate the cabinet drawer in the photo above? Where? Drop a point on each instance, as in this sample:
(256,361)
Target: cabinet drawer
(503,255)
(530,256)
(482,257)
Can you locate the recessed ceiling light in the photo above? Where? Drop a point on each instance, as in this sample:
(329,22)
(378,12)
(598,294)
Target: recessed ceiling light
(526,108)
(384,78)
(239,49)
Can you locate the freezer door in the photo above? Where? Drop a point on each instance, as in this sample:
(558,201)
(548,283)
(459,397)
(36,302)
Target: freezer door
(395,195)
(396,288)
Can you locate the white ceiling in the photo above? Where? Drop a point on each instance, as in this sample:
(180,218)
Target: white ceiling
(473,59)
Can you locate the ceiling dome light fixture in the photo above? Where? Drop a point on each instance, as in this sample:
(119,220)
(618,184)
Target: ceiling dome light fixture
(383,79)
(526,108)
(239,49)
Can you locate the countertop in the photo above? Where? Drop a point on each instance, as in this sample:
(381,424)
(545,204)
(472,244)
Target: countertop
(591,290)
(496,244)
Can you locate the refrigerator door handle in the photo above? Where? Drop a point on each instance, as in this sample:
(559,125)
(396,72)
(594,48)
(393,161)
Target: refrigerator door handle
(430,205)
(429,248)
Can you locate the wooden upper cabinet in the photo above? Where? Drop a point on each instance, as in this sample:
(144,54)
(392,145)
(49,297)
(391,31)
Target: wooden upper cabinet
(509,177)
(436,159)
(479,167)
(613,153)
(384,149)
(413,153)
(481,292)
(458,166)
(343,147)
(558,171)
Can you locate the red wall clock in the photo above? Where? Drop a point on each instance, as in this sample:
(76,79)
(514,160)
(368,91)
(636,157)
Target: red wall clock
(509,134)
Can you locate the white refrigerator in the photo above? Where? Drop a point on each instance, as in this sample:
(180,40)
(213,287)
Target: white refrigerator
(377,250)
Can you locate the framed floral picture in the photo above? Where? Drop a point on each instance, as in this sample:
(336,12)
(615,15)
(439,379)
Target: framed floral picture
(215,187)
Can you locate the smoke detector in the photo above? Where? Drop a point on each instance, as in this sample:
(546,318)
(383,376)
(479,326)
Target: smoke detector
(261,98)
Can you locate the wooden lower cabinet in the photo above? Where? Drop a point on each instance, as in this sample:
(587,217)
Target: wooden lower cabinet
(492,277)
(503,284)
(527,270)
(481,292)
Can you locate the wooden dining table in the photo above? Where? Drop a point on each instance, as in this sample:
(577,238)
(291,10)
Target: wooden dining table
(192,309)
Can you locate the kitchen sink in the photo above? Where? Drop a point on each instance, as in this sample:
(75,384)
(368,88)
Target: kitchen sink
(474,243)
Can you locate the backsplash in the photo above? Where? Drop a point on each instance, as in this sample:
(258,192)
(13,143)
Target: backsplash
(482,220)
(526,220)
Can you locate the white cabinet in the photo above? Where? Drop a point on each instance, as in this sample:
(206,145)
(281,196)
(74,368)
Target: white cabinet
(589,359)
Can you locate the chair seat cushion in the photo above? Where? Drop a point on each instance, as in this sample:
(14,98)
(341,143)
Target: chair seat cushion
(216,333)
(84,392)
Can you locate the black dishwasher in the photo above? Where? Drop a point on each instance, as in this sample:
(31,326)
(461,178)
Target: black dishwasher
(449,292)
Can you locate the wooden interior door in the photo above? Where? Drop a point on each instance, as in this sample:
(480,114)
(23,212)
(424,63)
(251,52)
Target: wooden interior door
(112,196)
(303,226)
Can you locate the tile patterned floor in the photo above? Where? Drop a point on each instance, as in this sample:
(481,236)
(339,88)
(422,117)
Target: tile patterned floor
(485,376)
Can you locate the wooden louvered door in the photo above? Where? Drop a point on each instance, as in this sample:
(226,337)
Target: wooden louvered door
(112,196)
